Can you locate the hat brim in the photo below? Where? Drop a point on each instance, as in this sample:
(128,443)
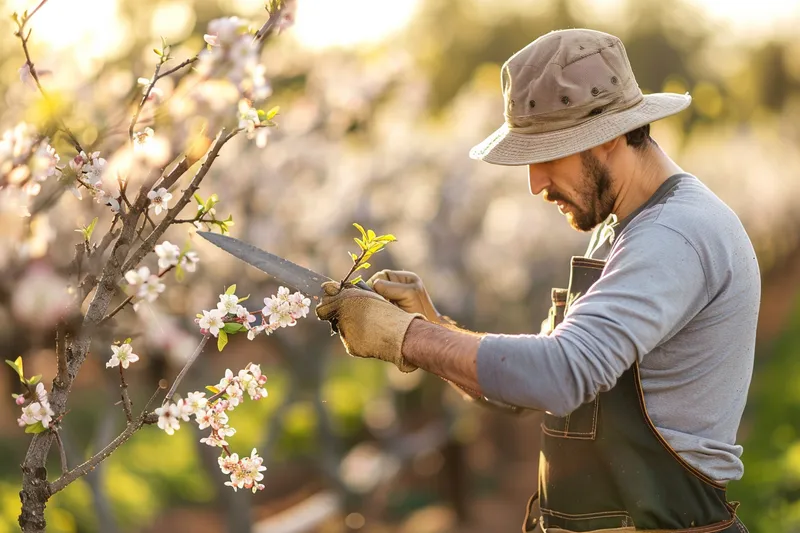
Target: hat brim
(506,147)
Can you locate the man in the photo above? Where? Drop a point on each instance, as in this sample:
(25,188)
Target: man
(644,364)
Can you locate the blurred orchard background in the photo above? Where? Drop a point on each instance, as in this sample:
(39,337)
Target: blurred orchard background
(380,103)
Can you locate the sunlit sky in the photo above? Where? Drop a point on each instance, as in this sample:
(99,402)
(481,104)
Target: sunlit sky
(325,23)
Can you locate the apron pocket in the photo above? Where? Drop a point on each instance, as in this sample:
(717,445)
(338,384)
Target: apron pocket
(579,424)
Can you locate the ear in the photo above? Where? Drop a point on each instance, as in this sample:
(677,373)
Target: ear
(609,149)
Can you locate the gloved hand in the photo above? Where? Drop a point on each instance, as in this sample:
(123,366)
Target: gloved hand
(369,325)
(406,290)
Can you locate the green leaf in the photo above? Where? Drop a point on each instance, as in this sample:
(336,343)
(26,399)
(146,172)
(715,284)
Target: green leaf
(232,327)
(17,366)
(386,238)
(35,379)
(356,280)
(353,256)
(35,428)
(211,202)
(230,290)
(199,199)
(272,112)
(222,340)
(158,52)
(90,228)
(363,266)
(180,274)
(371,235)
(361,244)
(244,299)
(199,315)
(163,42)
(213,389)
(363,233)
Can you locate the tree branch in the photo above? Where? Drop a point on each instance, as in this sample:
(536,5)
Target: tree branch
(83,469)
(126,399)
(186,367)
(61,452)
(172,214)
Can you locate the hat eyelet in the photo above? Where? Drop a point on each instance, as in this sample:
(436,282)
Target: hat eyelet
(532,103)
(565,100)
(614,80)
(595,91)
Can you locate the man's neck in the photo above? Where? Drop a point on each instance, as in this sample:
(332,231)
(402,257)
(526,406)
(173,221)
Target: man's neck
(646,172)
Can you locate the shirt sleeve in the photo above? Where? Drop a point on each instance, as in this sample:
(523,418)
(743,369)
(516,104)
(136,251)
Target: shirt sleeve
(652,285)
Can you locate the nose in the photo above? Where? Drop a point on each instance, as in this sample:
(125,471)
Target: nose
(538,179)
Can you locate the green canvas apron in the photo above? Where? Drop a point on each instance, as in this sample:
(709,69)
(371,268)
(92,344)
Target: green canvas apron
(605,467)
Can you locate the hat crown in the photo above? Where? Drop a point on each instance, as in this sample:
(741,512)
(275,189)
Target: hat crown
(567,77)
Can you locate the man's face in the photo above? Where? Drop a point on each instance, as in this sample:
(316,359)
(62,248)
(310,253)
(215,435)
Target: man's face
(580,185)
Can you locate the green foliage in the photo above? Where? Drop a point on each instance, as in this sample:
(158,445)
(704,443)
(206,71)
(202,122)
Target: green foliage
(87,231)
(770,488)
(370,243)
(222,340)
(17,366)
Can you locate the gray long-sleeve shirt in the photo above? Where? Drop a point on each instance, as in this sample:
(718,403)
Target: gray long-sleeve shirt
(679,293)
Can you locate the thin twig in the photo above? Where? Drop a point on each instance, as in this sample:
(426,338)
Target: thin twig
(32,13)
(186,367)
(35,76)
(130,298)
(178,67)
(61,452)
(126,400)
(143,100)
(88,466)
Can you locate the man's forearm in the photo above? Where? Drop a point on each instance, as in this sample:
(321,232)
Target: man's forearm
(449,353)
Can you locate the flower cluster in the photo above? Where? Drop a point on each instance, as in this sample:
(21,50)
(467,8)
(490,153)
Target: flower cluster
(212,413)
(148,286)
(232,53)
(88,171)
(281,310)
(35,412)
(26,161)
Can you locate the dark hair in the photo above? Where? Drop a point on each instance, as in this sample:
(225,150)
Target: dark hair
(639,138)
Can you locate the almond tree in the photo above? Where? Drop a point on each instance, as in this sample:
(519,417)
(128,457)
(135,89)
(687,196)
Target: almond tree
(140,180)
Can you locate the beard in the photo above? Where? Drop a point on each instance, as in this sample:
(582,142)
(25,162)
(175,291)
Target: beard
(596,198)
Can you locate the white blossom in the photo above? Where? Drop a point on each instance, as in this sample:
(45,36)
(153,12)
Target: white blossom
(228,303)
(141,138)
(248,116)
(189,261)
(122,355)
(184,410)
(150,289)
(212,321)
(159,199)
(168,254)
(168,418)
(196,401)
(137,277)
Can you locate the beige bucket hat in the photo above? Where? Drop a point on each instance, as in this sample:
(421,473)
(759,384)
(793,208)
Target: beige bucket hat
(566,92)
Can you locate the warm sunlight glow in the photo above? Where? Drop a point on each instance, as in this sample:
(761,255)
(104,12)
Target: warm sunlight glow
(91,26)
(322,23)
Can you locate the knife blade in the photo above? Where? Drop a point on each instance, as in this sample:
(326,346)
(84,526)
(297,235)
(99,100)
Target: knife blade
(284,271)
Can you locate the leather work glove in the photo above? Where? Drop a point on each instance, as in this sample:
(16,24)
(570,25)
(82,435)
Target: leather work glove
(406,290)
(369,325)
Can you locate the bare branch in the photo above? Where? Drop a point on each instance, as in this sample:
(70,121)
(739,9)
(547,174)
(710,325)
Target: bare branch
(178,67)
(61,452)
(29,63)
(144,100)
(186,367)
(88,466)
(126,399)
